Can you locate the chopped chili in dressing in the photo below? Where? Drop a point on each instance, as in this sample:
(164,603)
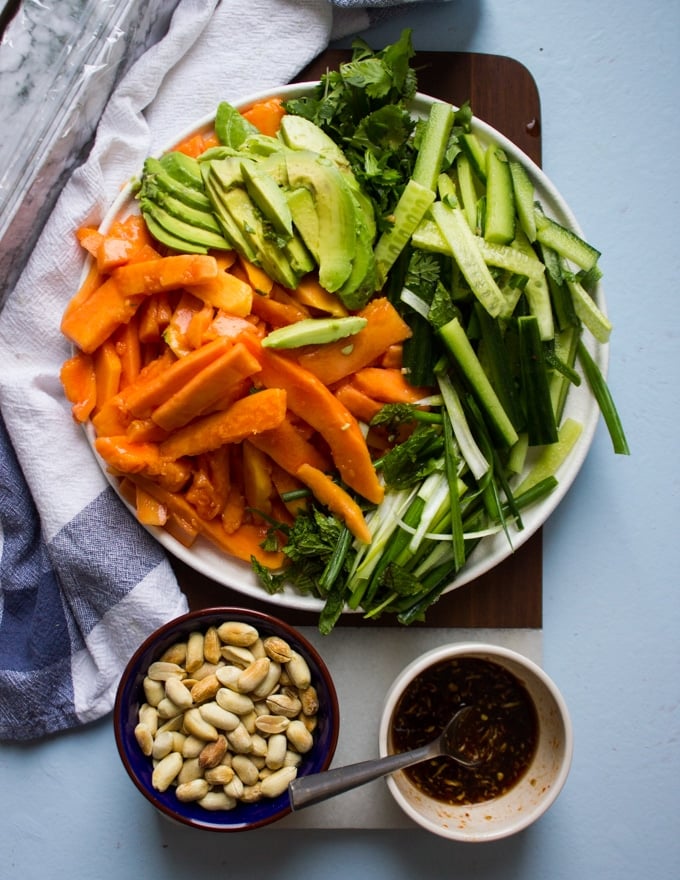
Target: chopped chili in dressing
(503,732)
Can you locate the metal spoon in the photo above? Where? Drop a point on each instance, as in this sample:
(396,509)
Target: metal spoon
(307,790)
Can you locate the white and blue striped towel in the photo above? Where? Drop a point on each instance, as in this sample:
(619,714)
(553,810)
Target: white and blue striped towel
(81,584)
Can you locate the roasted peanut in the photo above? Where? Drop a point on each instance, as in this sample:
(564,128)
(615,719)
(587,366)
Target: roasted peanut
(193,790)
(166,771)
(227,716)
(299,737)
(194,658)
(298,671)
(212,753)
(236,633)
(277,649)
(277,782)
(212,646)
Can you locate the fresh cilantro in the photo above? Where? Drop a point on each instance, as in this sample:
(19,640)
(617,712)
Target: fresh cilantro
(363,106)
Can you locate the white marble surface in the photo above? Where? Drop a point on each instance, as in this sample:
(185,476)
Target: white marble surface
(58,64)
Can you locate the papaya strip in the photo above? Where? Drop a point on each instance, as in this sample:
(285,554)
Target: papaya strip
(128,457)
(107,369)
(227,292)
(336,360)
(148,392)
(257,481)
(313,402)
(337,500)
(92,322)
(249,415)
(204,391)
(388,385)
(90,239)
(244,543)
(257,278)
(275,313)
(150,511)
(266,115)
(285,445)
(361,405)
(79,381)
(165,273)
(310,294)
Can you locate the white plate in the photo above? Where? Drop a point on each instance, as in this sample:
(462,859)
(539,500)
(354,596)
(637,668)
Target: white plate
(581,406)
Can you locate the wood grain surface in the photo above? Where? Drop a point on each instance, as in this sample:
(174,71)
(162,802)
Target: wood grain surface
(502,93)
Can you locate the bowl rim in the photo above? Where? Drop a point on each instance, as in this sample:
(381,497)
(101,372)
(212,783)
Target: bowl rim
(165,632)
(491,652)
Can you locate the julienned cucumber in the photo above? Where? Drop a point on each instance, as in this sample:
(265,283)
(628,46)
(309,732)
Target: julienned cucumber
(499,226)
(411,208)
(460,240)
(457,342)
(567,243)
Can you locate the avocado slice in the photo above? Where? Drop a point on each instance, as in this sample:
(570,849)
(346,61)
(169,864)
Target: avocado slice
(177,234)
(314,331)
(299,133)
(155,177)
(183,168)
(335,211)
(268,197)
(303,211)
(226,221)
(266,252)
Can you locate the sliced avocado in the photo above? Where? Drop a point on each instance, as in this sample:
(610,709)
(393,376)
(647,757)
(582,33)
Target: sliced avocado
(202,219)
(179,230)
(303,211)
(363,279)
(274,166)
(300,259)
(336,214)
(155,175)
(267,253)
(183,168)
(268,197)
(259,146)
(314,331)
(226,172)
(299,133)
(231,229)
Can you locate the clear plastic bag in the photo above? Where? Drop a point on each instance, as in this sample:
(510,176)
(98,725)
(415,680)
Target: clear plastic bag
(59,61)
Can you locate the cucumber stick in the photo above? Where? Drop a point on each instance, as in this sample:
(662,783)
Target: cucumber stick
(499,222)
(540,416)
(458,344)
(551,456)
(410,210)
(568,244)
(524,198)
(460,239)
(433,145)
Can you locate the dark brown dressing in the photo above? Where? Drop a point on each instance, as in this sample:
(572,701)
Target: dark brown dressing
(504,731)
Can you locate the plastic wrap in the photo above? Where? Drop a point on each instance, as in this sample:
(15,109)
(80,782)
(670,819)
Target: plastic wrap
(59,62)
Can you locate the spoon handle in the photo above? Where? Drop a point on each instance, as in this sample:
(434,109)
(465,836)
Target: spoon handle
(307,790)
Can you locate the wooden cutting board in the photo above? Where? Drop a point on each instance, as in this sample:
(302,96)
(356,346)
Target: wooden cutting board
(502,93)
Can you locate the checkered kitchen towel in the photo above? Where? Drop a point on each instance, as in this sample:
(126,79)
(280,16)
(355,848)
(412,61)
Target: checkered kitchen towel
(81,584)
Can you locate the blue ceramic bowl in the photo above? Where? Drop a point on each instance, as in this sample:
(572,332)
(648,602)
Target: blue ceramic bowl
(130,696)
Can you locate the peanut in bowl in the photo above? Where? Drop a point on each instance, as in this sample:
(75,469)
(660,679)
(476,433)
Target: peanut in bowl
(218,753)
